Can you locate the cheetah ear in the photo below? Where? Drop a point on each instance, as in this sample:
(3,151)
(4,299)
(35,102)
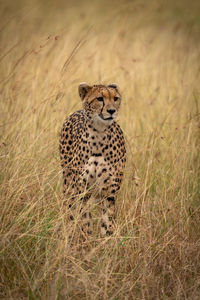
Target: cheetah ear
(83,89)
(113,85)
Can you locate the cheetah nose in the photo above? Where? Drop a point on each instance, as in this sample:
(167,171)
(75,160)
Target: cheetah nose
(111,111)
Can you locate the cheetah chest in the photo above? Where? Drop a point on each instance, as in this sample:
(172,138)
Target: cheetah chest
(99,158)
(95,170)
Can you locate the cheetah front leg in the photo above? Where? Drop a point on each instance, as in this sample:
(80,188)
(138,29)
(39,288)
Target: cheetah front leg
(108,216)
(77,204)
(79,217)
(83,199)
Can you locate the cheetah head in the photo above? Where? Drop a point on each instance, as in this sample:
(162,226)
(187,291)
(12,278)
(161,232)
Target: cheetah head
(101,103)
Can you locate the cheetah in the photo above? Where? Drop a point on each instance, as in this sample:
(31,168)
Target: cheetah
(93,153)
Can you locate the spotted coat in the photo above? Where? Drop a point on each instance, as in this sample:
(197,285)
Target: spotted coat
(92,152)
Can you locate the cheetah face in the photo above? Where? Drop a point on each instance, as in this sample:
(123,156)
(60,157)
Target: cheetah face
(100,102)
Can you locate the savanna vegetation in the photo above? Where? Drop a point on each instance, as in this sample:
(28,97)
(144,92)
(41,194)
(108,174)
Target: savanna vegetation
(151,49)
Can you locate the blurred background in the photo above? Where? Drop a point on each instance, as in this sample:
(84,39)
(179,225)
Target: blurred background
(151,49)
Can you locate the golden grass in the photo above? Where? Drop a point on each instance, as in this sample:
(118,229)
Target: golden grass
(152,51)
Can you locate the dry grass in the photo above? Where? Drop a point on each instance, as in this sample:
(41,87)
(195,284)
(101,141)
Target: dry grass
(153,52)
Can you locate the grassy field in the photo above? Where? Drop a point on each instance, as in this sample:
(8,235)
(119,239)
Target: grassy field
(152,50)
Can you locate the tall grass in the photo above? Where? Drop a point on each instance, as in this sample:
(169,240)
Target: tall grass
(153,52)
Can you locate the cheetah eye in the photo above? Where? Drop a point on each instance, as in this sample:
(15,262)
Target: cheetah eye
(100,98)
(116,98)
